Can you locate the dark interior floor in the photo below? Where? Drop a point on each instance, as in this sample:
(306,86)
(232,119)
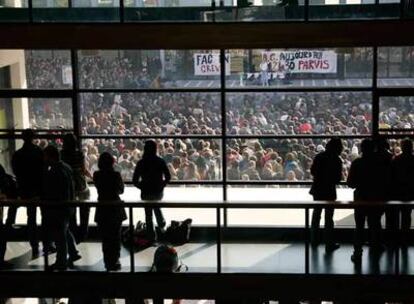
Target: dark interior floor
(236,258)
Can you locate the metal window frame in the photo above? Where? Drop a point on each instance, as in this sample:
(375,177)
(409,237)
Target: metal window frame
(74,95)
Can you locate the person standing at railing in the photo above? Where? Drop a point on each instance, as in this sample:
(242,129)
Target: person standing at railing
(402,172)
(109,185)
(151,175)
(365,177)
(27,164)
(72,156)
(326,170)
(8,190)
(384,158)
(57,188)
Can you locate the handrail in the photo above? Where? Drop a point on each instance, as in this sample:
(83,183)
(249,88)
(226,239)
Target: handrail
(219,206)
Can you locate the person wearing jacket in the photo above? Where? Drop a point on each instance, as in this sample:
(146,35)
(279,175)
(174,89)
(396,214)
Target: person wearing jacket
(109,185)
(27,164)
(365,177)
(402,176)
(8,190)
(326,170)
(151,175)
(57,188)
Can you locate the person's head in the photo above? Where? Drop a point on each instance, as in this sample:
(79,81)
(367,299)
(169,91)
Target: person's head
(150,148)
(69,141)
(28,135)
(407,146)
(334,146)
(367,146)
(106,161)
(51,154)
(291,176)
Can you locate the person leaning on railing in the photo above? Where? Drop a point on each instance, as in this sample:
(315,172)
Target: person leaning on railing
(109,185)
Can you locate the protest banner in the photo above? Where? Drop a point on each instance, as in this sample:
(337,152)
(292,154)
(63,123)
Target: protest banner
(301,61)
(208,64)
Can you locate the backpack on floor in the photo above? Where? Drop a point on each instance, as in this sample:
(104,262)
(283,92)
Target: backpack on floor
(166,260)
(178,233)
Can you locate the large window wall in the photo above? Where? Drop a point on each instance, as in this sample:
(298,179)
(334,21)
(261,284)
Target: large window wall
(199,10)
(229,123)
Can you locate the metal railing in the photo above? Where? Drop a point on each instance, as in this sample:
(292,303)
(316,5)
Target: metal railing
(218,206)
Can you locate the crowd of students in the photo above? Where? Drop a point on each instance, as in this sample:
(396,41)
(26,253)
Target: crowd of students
(248,113)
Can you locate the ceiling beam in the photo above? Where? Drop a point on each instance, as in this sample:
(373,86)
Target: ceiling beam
(208,35)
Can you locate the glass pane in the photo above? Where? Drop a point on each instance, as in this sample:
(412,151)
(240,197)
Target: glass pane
(280,217)
(351,67)
(396,66)
(280,159)
(76,10)
(396,113)
(151,113)
(210,11)
(14,11)
(353,9)
(36,113)
(177,193)
(187,159)
(299,113)
(144,69)
(45,69)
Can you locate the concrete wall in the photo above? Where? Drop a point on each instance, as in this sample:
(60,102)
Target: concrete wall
(20,107)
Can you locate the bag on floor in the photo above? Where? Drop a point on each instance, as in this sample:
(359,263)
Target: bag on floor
(139,240)
(178,233)
(166,260)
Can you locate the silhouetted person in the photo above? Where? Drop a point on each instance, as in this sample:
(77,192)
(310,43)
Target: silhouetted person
(403,183)
(384,158)
(327,173)
(365,175)
(57,188)
(109,185)
(151,175)
(27,164)
(8,190)
(72,156)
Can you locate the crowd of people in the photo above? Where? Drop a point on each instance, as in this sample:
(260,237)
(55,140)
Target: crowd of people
(378,171)
(251,114)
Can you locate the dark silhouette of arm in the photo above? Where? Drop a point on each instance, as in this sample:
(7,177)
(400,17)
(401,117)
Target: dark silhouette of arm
(338,172)
(166,172)
(352,177)
(120,183)
(315,166)
(136,178)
